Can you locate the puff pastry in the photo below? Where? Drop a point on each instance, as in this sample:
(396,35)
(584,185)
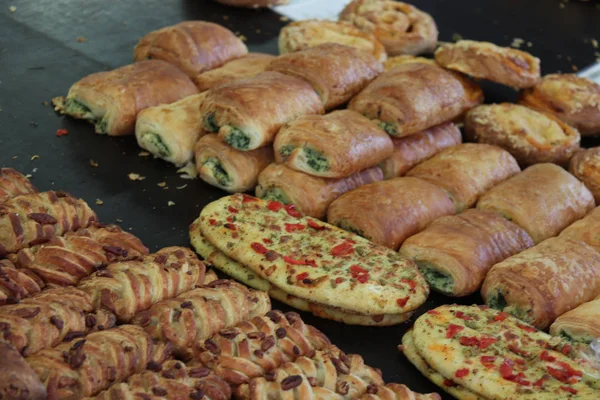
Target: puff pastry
(311,195)
(129,287)
(111,100)
(336,72)
(192,46)
(511,67)
(17,284)
(19,381)
(467,171)
(585,165)
(580,325)
(414,149)
(13,183)
(573,99)
(585,229)
(246,66)
(395,391)
(29,219)
(413,97)
(400,27)
(393,62)
(525,200)
(227,168)
(388,212)
(334,145)
(248,113)
(253,3)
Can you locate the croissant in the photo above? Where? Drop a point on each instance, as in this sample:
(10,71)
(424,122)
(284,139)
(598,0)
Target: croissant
(17,284)
(579,325)
(18,381)
(247,66)
(13,184)
(585,229)
(395,391)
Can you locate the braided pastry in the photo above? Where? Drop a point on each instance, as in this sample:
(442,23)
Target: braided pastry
(84,367)
(13,184)
(259,345)
(25,220)
(18,381)
(200,313)
(17,284)
(210,276)
(395,391)
(129,287)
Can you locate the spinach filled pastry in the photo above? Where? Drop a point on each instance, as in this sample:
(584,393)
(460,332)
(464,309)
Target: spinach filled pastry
(413,97)
(388,212)
(248,113)
(336,72)
(580,325)
(467,171)
(19,380)
(13,184)
(227,168)
(585,165)
(17,284)
(393,62)
(586,229)
(246,66)
(192,46)
(311,195)
(334,145)
(526,200)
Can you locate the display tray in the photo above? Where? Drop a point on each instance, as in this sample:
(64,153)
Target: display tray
(46,45)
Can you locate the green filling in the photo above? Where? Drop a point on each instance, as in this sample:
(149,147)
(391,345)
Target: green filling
(76,108)
(585,340)
(390,128)
(155,140)
(101,126)
(316,160)
(286,150)
(210,124)
(343,224)
(497,301)
(219,172)
(238,139)
(276,194)
(437,279)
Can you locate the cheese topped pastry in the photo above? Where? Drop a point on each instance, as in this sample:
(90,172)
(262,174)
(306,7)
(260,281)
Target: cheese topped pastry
(585,165)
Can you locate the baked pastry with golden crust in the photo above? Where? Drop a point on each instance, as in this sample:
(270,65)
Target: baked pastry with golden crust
(393,62)
(400,27)
(511,67)
(192,46)
(585,165)
(580,325)
(395,391)
(13,183)
(244,67)
(252,3)
(573,99)
(526,200)
(17,284)
(585,229)
(19,381)
(336,72)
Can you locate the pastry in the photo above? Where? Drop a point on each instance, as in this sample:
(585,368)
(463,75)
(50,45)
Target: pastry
(395,391)
(530,136)
(19,381)
(455,253)
(334,145)
(400,27)
(414,149)
(585,165)
(585,229)
(416,96)
(129,287)
(17,284)
(542,283)
(209,277)
(573,99)
(227,168)
(335,71)
(388,212)
(580,325)
(248,113)
(467,171)
(483,60)
(525,200)
(393,62)
(311,195)
(111,100)
(12,184)
(247,66)
(253,3)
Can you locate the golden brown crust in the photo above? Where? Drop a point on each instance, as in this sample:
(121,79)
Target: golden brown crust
(395,391)
(585,229)
(252,3)
(581,324)
(585,165)
(17,284)
(244,67)
(19,381)
(485,60)
(13,184)
(393,62)
(336,72)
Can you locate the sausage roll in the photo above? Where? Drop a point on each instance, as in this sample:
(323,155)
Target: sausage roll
(545,281)
(543,199)
(170,131)
(84,367)
(301,35)
(400,27)
(393,62)
(414,149)
(334,145)
(336,72)
(192,46)
(129,287)
(17,284)
(413,97)
(585,165)
(573,99)
(585,229)
(530,136)
(227,168)
(580,325)
(13,184)
(467,171)
(388,212)
(244,67)
(33,218)
(455,253)
(19,380)
(510,67)
(311,195)
(248,113)
(112,100)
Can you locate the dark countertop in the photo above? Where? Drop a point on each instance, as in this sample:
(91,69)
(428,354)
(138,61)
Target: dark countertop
(40,57)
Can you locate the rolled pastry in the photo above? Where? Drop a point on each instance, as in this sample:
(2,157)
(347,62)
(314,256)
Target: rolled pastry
(573,99)
(393,62)
(585,165)
(396,391)
(334,145)
(112,100)
(580,325)
(530,136)
(400,27)
(252,3)
(192,46)
(388,212)
(248,113)
(455,253)
(244,67)
(526,200)
(301,35)
(467,171)
(227,168)
(511,67)
(336,72)
(585,229)
(17,284)
(413,97)
(19,380)
(13,184)
(414,149)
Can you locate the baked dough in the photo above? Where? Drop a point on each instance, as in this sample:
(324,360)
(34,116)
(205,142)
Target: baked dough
(19,381)
(253,3)
(12,184)
(580,325)
(17,284)
(585,165)
(244,67)
(586,229)
(396,391)
(393,62)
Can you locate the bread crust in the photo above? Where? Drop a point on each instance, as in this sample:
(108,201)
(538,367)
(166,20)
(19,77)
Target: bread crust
(581,324)
(393,62)
(585,229)
(585,165)
(244,67)
(19,380)
(17,284)
(13,183)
